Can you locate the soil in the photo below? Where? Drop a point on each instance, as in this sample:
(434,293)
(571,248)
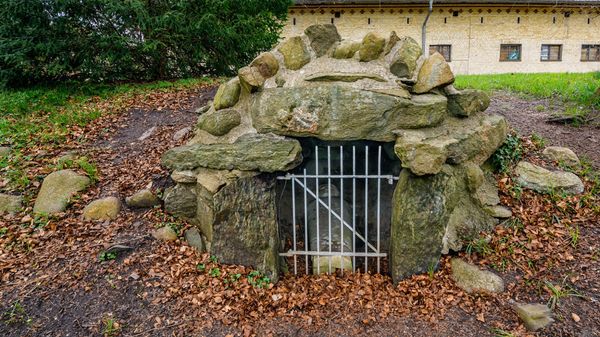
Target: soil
(54,284)
(529,116)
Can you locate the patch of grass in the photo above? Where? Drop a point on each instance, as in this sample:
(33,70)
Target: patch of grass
(110,327)
(557,292)
(578,88)
(15,314)
(538,140)
(480,246)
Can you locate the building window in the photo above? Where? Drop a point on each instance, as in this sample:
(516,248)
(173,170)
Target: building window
(444,49)
(590,52)
(551,52)
(510,52)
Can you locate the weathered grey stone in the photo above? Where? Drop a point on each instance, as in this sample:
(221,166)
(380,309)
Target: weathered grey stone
(264,153)
(499,211)
(245,228)
(322,37)
(181,133)
(399,92)
(404,61)
(250,78)
(472,279)
(102,209)
(534,316)
(468,102)
(10,203)
(342,77)
(335,112)
(267,64)
(4,151)
(346,49)
(187,177)
(391,42)
(142,199)
(372,46)
(165,233)
(204,108)
(435,72)
(181,200)
(424,151)
(228,94)
(57,188)
(219,123)
(194,239)
(545,181)
(561,155)
(295,54)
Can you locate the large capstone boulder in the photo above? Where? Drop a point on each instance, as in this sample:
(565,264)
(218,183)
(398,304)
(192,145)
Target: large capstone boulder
(542,180)
(561,155)
(335,112)
(264,153)
(57,189)
(372,46)
(102,209)
(472,279)
(467,102)
(435,72)
(219,123)
(10,203)
(245,226)
(295,54)
(228,94)
(404,60)
(322,37)
(455,141)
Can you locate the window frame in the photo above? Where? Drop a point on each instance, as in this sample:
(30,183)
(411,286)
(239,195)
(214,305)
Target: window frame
(560,51)
(435,47)
(508,45)
(590,46)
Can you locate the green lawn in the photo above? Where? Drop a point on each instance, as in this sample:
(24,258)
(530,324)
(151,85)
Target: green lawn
(579,88)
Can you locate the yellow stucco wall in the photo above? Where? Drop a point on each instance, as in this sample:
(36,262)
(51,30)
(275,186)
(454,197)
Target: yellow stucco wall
(475,45)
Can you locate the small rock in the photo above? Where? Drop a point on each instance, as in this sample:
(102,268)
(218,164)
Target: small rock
(147,134)
(57,188)
(142,199)
(205,108)
(561,155)
(499,211)
(165,233)
(10,203)
(102,209)
(534,316)
(228,94)
(575,317)
(472,279)
(26,218)
(545,181)
(181,133)
(4,151)
(194,239)
(186,177)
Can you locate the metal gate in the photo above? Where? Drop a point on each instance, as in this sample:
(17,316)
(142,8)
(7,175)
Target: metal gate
(324,195)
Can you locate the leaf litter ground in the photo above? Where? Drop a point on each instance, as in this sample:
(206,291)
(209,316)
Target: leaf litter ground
(55,283)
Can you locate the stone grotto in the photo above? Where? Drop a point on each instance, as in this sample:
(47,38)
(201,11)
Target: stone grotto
(319,91)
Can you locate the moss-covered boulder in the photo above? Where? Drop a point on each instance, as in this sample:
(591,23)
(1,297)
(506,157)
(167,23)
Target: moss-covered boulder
(57,189)
(252,152)
(404,61)
(561,155)
(267,64)
(435,72)
(219,123)
(467,102)
(346,49)
(250,78)
(102,209)
(322,37)
(295,54)
(472,279)
(542,180)
(371,47)
(142,199)
(535,316)
(228,94)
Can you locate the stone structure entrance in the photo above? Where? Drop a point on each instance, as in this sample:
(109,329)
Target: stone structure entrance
(319,88)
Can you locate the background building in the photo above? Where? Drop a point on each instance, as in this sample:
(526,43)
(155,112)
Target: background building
(476,37)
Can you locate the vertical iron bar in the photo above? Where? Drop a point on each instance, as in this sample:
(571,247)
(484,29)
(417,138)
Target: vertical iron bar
(353,207)
(329,201)
(378,203)
(342,208)
(366,207)
(317,214)
(294,224)
(306,242)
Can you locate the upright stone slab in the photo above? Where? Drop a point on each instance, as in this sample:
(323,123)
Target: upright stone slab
(404,61)
(245,226)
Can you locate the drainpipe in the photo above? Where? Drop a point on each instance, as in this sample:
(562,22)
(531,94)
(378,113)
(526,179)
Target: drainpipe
(424,30)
